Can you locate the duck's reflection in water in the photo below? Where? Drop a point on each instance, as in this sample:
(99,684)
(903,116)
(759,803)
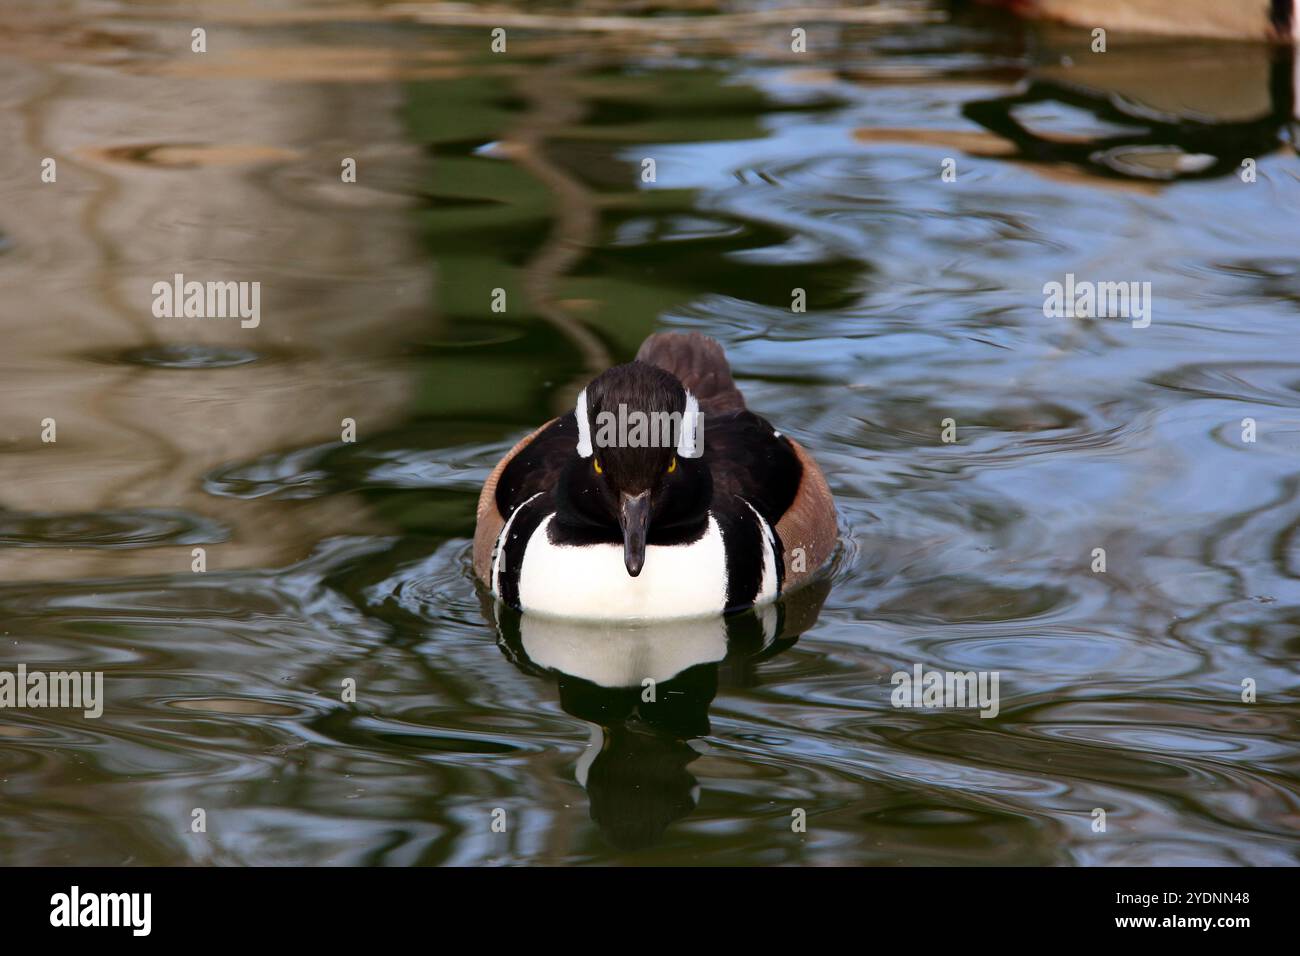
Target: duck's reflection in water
(646,691)
(1140,115)
(1163,123)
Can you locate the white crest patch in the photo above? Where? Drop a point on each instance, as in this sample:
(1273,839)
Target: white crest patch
(584,425)
(688,436)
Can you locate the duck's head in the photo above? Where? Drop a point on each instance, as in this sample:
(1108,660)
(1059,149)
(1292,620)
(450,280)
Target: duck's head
(638,473)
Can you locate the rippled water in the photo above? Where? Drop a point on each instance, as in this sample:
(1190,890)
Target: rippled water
(331,561)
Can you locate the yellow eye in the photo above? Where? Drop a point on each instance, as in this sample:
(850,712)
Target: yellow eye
(596,463)
(672,465)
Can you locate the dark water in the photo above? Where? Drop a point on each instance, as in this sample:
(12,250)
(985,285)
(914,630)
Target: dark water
(331,561)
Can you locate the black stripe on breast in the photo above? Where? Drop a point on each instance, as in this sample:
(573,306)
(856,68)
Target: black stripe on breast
(526,520)
(742,541)
(778,555)
(562,532)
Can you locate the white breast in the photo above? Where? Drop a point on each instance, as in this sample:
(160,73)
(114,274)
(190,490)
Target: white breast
(591,581)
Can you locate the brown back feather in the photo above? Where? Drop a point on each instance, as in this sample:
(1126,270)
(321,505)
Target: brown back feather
(700,364)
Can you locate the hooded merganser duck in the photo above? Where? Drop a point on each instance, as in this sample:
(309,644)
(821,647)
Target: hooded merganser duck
(724,513)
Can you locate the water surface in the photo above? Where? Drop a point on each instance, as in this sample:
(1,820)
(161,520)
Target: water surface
(331,561)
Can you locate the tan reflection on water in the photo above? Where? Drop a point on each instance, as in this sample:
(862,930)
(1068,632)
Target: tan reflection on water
(226,172)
